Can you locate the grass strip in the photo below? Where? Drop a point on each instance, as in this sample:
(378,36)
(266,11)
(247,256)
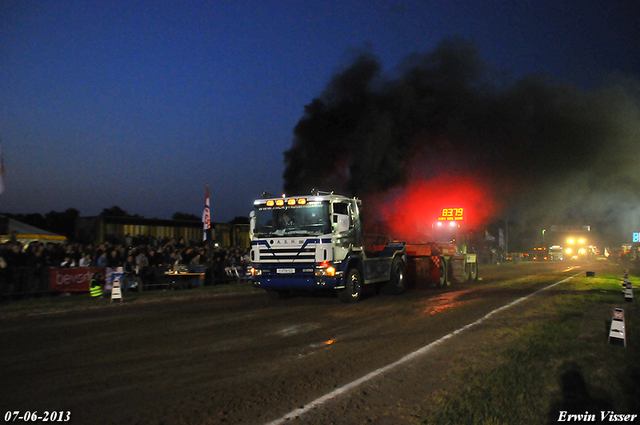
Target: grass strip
(553,362)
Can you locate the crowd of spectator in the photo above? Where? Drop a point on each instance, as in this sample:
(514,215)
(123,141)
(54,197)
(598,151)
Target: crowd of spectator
(146,259)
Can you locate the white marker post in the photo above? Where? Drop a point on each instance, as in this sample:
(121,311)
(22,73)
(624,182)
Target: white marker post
(617,333)
(628,293)
(116,292)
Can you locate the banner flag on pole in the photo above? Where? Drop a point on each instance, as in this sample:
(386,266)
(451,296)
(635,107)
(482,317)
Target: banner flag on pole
(206,216)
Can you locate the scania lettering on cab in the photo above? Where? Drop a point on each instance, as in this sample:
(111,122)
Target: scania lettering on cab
(316,242)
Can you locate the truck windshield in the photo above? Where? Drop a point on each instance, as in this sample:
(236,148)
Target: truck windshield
(299,220)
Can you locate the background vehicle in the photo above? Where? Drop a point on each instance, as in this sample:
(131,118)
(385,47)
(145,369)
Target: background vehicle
(556,253)
(540,253)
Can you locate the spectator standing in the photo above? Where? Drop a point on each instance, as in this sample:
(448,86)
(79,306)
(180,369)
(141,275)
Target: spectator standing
(85,261)
(4,271)
(144,271)
(159,257)
(95,286)
(103,261)
(15,257)
(195,261)
(68,262)
(128,273)
(51,255)
(114,259)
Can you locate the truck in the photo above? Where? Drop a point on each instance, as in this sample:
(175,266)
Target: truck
(316,242)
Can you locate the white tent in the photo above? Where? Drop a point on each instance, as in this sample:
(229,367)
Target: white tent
(25,233)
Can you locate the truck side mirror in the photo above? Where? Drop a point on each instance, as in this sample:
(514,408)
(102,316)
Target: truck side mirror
(252,224)
(340,223)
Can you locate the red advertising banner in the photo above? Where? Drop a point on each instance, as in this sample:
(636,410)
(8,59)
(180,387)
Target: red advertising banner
(75,279)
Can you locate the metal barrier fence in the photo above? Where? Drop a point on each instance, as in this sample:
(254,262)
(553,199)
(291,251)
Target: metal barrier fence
(24,281)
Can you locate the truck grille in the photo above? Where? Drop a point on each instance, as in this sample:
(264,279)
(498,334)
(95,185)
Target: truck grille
(286,255)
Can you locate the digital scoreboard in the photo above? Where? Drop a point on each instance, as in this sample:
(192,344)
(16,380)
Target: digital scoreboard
(452,214)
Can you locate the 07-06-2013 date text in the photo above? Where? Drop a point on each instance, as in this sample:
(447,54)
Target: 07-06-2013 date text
(46,416)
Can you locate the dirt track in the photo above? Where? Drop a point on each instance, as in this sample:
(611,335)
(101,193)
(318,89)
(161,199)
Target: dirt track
(248,359)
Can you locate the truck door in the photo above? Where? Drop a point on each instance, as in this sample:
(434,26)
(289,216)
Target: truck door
(356,225)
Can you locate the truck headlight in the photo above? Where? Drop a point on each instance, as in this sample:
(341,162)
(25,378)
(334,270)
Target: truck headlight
(325,269)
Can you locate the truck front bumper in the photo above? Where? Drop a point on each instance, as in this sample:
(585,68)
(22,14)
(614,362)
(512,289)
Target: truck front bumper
(298,278)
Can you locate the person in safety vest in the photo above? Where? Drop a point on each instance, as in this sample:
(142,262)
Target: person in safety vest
(95,287)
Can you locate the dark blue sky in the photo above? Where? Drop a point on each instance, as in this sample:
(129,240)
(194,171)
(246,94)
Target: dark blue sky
(141,104)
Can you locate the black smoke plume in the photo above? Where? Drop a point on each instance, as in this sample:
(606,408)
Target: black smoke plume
(553,153)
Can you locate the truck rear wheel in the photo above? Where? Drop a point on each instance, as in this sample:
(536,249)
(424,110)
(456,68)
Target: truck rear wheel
(352,287)
(396,284)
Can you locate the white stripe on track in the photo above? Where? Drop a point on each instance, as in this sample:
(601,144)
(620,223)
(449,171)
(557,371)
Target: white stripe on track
(419,352)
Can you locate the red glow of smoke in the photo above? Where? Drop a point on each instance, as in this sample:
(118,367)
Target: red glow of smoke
(410,213)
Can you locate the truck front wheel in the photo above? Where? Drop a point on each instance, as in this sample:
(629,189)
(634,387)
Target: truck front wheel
(352,287)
